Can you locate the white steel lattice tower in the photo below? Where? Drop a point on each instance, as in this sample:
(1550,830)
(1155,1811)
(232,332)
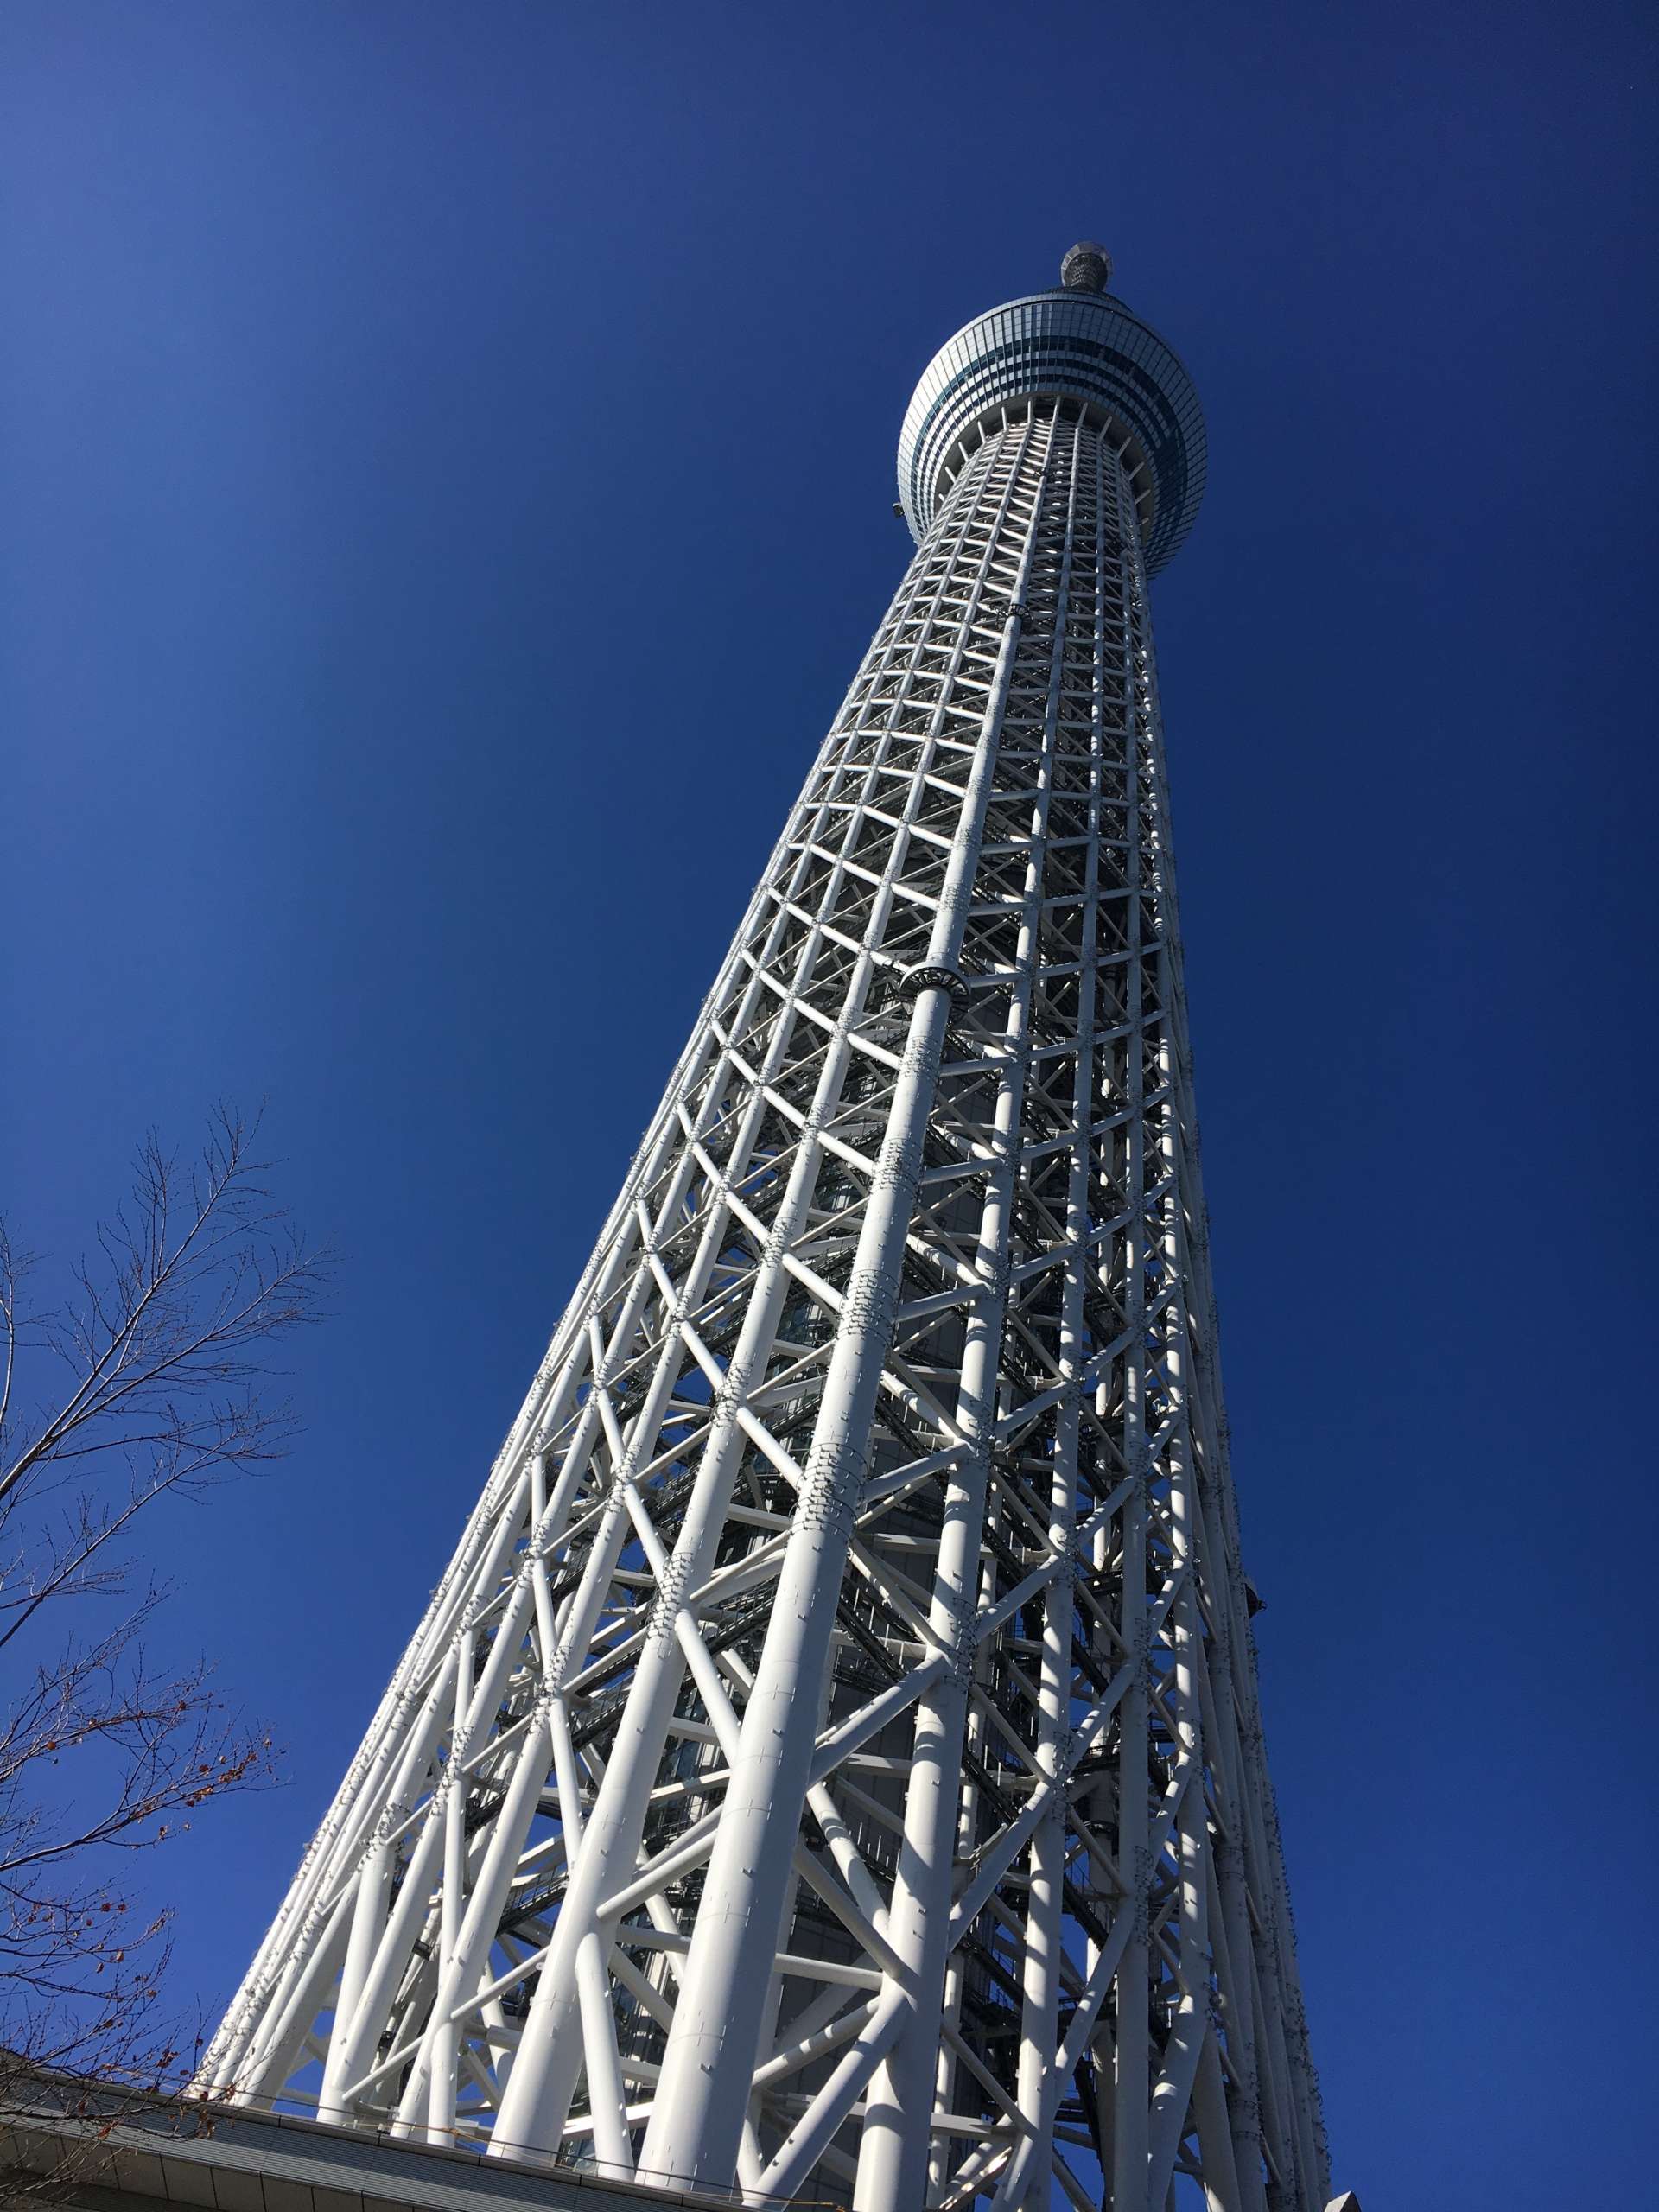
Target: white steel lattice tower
(831,1765)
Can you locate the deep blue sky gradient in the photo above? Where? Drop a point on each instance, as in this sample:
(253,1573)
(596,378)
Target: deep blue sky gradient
(445,489)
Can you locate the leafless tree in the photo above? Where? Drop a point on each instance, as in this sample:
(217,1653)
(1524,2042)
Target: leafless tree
(147,1380)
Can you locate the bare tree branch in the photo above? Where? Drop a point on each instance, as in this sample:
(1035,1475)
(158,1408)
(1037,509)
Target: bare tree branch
(159,1358)
(13,1267)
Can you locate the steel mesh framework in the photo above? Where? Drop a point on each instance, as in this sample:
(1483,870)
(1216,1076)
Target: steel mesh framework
(831,1765)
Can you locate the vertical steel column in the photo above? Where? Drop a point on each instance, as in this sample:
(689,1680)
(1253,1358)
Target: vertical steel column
(704,2087)
(893,2148)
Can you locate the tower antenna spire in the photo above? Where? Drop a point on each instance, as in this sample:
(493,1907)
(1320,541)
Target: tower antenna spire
(1086,268)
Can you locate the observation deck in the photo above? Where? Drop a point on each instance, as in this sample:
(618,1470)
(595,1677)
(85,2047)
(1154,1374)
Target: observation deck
(1074,343)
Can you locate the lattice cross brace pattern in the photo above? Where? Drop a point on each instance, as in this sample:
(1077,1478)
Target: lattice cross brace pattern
(831,1765)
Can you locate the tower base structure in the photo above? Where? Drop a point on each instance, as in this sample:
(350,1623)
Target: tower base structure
(84,2146)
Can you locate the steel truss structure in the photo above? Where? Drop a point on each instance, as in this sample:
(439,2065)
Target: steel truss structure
(832,1763)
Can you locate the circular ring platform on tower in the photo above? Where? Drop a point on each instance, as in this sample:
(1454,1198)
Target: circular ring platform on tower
(1070,343)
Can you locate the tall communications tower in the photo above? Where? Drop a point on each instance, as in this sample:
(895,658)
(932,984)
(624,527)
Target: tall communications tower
(831,1768)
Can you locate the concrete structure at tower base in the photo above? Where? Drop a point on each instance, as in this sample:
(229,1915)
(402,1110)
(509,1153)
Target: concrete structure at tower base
(88,2148)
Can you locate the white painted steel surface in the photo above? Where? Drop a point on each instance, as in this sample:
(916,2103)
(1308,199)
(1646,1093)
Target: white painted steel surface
(832,1763)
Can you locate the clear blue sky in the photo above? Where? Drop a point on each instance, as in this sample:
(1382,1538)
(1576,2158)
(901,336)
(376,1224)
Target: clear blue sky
(446,486)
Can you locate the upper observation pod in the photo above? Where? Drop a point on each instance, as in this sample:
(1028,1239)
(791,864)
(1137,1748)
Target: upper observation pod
(1075,342)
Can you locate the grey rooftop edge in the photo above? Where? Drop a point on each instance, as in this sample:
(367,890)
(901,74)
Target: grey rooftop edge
(114,2150)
